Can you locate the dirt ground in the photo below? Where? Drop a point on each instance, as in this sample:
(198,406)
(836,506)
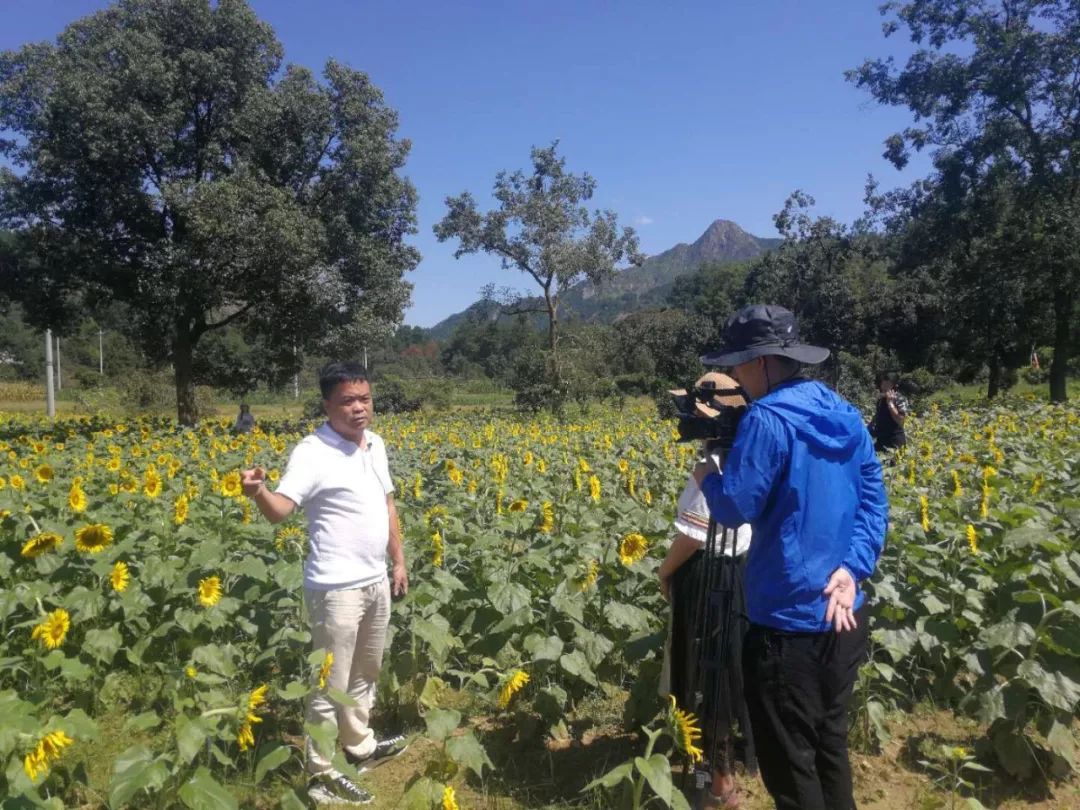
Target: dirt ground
(534,775)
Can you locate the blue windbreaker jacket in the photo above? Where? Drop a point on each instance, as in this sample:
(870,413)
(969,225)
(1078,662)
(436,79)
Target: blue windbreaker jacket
(803,473)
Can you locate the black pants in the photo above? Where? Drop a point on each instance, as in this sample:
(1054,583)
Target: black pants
(797,690)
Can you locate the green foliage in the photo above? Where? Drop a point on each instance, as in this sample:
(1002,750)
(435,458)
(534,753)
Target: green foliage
(978,582)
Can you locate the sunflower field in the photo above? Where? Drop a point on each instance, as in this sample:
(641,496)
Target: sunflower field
(147,609)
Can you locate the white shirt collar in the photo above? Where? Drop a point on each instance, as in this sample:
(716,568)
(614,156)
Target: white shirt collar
(335,439)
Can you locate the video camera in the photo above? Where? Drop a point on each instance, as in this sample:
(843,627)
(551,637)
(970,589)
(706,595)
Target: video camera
(710,410)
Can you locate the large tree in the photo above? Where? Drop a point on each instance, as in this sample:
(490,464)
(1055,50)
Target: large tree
(165,159)
(961,241)
(821,273)
(993,85)
(542,229)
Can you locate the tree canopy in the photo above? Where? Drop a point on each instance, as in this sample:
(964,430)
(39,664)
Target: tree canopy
(166,159)
(542,229)
(994,93)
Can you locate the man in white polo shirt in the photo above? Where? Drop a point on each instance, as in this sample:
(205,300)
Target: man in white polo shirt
(340,476)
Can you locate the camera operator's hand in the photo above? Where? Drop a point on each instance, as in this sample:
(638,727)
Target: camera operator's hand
(841,591)
(703,468)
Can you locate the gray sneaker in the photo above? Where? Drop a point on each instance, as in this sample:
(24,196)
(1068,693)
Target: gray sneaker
(339,789)
(384,750)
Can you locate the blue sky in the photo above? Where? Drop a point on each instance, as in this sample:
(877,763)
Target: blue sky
(684,112)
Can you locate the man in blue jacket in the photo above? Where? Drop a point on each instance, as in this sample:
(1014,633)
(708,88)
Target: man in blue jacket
(803,472)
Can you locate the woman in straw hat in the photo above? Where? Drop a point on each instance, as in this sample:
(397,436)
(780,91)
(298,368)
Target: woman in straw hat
(681,581)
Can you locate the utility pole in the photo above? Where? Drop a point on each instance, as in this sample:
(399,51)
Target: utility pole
(295,378)
(50,400)
(59,379)
(100,354)
(365,358)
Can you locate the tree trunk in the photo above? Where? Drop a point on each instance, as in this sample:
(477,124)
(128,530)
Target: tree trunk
(993,385)
(553,336)
(1063,310)
(553,320)
(183,349)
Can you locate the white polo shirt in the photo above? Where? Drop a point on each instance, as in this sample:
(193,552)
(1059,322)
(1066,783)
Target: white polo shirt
(342,488)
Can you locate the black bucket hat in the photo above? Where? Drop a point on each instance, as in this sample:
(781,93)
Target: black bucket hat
(763,329)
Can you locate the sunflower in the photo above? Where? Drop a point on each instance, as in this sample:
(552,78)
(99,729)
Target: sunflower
(47,751)
(152,487)
(93,538)
(1036,485)
(449,801)
(924,512)
(209,591)
(520,505)
(594,488)
(230,485)
(632,548)
(973,539)
(324,670)
(180,509)
(190,671)
(588,577)
(512,686)
(256,699)
(245,737)
(435,513)
(41,543)
(284,536)
(44,473)
(437,549)
(18,482)
(119,577)
(547,518)
(53,629)
(685,730)
(77,498)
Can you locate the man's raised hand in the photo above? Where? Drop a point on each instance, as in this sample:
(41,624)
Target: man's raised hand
(252,481)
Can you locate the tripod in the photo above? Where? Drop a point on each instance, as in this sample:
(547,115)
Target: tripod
(713,603)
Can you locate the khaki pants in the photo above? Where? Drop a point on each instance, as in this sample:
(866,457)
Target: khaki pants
(352,625)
